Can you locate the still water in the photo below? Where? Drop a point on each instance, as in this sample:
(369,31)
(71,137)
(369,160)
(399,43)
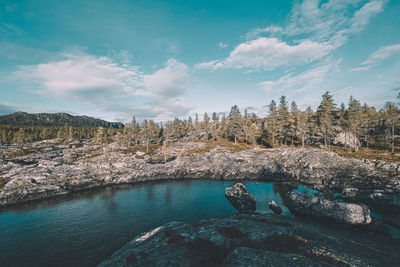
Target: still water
(84,229)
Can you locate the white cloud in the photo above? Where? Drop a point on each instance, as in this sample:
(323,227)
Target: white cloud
(305,81)
(320,27)
(358,22)
(382,54)
(222,45)
(255,33)
(82,77)
(378,56)
(269,53)
(334,21)
(106,85)
(170,81)
(173,48)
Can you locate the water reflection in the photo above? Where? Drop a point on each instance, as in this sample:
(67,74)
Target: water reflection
(150,191)
(283,189)
(168,194)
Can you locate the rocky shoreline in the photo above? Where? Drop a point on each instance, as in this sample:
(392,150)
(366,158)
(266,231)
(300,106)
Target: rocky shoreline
(53,169)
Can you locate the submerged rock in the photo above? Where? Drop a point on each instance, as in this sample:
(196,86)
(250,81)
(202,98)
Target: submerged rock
(275,207)
(240,198)
(317,206)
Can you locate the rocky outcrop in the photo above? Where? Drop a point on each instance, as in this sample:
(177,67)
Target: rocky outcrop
(317,206)
(240,198)
(256,240)
(60,170)
(274,207)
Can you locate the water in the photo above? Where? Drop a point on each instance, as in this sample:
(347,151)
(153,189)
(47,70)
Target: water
(86,228)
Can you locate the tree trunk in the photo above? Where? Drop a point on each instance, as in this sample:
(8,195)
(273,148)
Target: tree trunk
(355,140)
(393,138)
(302,140)
(235,139)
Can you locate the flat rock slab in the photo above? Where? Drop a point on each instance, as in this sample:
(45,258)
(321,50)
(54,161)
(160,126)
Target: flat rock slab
(317,206)
(257,240)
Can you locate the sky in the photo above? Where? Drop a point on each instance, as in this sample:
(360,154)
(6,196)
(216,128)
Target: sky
(165,59)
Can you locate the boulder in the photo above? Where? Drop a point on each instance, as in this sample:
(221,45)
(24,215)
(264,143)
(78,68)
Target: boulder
(240,198)
(274,207)
(317,206)
(346,139)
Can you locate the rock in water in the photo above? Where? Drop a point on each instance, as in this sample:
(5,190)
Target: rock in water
(274,207)
(316,206)
(240,198)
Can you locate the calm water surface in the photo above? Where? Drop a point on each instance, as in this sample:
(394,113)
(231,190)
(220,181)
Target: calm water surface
(85,228)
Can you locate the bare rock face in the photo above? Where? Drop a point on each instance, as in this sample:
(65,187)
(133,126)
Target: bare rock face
(240,198)
(274,207)
(307,205)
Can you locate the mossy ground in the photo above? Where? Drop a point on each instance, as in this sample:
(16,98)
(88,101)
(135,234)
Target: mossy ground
(2,181)
(367,153)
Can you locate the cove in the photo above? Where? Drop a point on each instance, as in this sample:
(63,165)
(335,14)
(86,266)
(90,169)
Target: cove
(87,227)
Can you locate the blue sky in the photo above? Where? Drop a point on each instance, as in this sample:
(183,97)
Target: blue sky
(166,59)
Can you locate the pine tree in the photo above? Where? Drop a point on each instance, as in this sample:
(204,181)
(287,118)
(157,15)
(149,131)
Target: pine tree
(254,133)
(215,120)
(234,123)
(293,120)
(246,125)
(302,126)
(369,120)
(223,127)
(283,119)
(326,116)
(272,121)
(145,134)
(206,122)
(353,118)
(392,119)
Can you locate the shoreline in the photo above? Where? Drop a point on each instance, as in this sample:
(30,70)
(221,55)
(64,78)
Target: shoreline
(52,173)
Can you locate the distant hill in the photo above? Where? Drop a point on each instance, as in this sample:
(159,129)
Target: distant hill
(55,119)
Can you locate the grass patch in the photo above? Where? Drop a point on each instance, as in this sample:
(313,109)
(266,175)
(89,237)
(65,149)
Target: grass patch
(366,153)
(216,143)
(141,148)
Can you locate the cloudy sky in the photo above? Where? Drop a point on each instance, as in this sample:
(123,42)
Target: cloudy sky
(166,59)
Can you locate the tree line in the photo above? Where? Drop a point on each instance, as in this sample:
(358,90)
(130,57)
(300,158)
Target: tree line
(285,125)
